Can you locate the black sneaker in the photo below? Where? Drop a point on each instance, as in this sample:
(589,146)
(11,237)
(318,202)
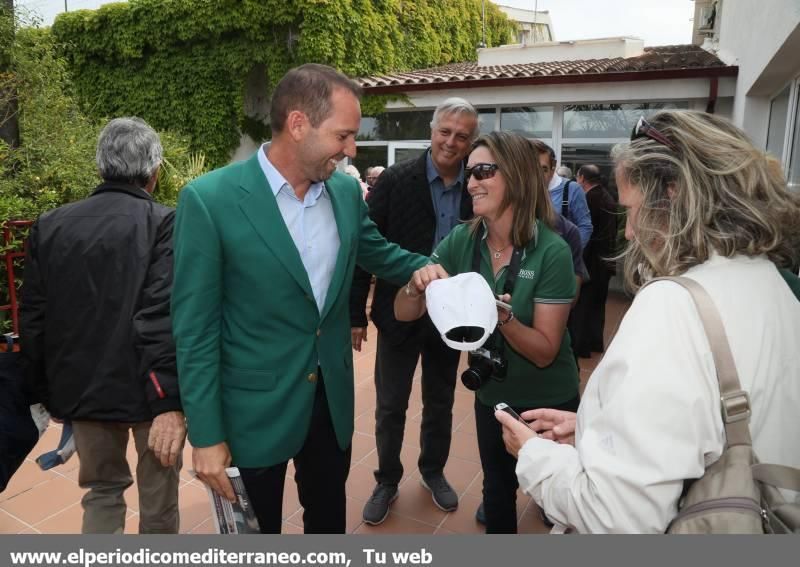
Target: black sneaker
(480,514)
(377,507)
(443,494)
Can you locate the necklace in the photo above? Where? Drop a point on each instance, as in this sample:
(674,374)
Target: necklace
(497,252)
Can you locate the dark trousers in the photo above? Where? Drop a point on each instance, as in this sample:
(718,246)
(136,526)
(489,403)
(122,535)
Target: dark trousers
(588,317)
(499,469)
(394,371)
(321,470)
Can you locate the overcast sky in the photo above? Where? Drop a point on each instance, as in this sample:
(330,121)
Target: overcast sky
(657,22)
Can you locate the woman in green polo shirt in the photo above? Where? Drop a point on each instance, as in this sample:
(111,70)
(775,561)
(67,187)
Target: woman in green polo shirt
(513,232)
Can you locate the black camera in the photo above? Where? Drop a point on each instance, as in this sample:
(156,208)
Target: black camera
(483,366)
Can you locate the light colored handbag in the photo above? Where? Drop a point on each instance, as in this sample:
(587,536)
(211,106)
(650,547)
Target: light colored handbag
(736,494)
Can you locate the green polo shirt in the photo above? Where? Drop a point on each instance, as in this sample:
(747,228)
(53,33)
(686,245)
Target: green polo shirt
(791,280)
(546,275)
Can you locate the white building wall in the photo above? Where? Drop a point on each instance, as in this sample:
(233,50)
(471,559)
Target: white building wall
(561,51)
(763,39)
(530,23)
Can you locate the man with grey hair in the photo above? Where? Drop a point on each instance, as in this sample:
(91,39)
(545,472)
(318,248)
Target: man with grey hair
(373,173)
(96,336)
(415,203)
(564,171)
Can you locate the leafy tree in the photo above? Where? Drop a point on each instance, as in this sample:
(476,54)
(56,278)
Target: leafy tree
(55,161)
(184,64)
(9,126)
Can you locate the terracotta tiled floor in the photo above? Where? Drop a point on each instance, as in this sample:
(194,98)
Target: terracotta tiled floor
(49,502)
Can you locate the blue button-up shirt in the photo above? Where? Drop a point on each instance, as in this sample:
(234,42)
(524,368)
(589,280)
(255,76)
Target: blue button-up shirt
(579,213)
(311,224)
(446,201)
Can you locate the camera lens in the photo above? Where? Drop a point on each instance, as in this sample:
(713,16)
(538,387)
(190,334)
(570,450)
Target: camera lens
(479,372)
(471,379)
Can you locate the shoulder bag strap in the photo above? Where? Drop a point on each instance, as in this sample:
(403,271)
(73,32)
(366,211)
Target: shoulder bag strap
(735,402)
(777,475)
(565,199)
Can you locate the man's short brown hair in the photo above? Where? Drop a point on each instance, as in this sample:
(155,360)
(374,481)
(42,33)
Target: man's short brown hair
(542,148)
(308,88)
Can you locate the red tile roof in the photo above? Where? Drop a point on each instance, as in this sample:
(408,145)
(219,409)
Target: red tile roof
(670,61)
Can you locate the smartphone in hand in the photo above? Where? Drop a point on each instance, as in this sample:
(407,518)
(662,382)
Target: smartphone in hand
(506,408)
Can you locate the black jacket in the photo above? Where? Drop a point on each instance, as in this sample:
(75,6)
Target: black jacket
(401,206)
(602,244)
(95,330)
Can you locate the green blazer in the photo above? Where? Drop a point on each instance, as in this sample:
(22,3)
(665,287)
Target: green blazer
(248,331)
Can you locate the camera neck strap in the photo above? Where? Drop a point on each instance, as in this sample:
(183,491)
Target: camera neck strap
(513,266)
(496,337)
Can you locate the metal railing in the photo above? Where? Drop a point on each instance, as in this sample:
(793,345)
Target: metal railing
(14,246)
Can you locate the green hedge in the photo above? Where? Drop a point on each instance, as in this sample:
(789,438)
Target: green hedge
(55,161)
(182,64)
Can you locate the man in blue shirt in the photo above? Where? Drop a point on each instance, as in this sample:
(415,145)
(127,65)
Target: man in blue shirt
(567,196)
(415,204)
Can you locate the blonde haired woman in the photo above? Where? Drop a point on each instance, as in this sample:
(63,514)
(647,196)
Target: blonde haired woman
(510,240)
(704,203)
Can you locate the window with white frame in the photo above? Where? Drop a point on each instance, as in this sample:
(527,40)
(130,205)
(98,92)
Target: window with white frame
(487,118)
(604,120)
(778,118)
(783,131)
(528,121)
(586,132)
(404,125)
(793,155)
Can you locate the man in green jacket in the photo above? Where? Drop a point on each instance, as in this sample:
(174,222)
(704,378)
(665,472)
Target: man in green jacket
(264,257)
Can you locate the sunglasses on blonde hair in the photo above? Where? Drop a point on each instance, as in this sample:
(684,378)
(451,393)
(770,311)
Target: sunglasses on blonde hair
(644,129)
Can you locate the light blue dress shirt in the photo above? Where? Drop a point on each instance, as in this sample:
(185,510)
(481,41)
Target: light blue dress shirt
(311,224)
(446,201)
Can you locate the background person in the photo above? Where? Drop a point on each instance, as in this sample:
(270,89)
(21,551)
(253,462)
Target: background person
(701,202)
(353,172)
(415,203)
(373,173)
(513,219)
(566,196)
(588,318)
(95,332)
(564,172)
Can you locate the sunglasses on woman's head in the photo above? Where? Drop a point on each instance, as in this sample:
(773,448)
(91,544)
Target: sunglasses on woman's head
(481,171)
(643,129)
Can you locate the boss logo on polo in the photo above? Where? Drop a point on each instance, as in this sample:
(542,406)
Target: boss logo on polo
(527,274)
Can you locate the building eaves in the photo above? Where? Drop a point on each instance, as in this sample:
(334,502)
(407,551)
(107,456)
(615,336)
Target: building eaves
(664,62)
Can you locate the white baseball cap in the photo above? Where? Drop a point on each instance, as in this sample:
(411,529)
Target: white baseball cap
(463,309)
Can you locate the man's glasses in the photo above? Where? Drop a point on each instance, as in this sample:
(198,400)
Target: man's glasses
(481,171)
(643,129)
